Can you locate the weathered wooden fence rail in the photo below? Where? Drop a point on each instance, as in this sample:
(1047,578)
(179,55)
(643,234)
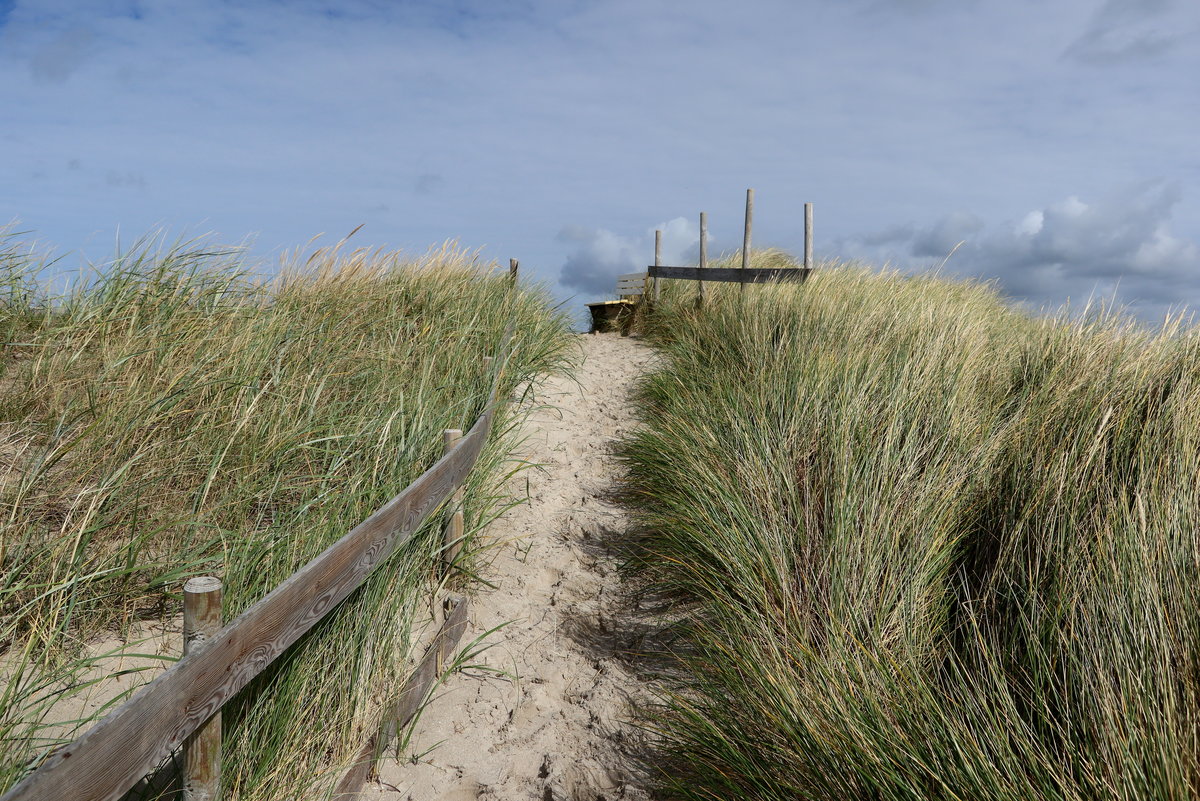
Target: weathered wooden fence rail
(735,275)
(114,755)
(703,273)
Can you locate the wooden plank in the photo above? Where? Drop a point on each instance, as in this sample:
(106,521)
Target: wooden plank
(506,349)
(657,261)
(632,277)
(749,223)
(131,741)
(639,287)
(452,535)
(703,257)
(411,698)
(748,275)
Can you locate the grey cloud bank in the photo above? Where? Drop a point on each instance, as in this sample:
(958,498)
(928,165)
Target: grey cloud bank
(1118,246)
(559,133)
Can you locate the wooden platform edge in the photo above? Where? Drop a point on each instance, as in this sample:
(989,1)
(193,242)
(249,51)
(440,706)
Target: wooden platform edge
(410,700)
(733,275)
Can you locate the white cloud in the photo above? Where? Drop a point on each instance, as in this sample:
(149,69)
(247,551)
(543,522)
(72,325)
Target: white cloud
(598,256)
(497,123)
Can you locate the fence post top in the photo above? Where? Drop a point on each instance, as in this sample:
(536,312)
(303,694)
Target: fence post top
(202,584)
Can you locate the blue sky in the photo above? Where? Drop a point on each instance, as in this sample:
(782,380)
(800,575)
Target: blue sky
(1056,141)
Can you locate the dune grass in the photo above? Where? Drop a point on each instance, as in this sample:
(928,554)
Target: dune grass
(921,545)
(174,416)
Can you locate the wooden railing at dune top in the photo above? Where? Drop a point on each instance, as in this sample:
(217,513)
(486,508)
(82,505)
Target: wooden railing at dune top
(634,286)
(136,738)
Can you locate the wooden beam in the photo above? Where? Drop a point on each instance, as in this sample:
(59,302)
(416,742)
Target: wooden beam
(411,698)
(703,257)
(749,223)
(657,259)
(453,533)
(733,275)
(202,750)
(632,277)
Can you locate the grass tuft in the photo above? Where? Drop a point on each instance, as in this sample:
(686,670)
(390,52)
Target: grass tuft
(923,545)
(173,415)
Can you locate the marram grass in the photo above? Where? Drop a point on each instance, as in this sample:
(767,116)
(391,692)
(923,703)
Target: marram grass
(923,545)
(175,416)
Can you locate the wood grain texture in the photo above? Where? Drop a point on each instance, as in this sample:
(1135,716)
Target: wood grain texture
(632,277)
(452,535)
(202,749)
(657,260)
(131,741)
(411,698)
(749,225)
(734,275)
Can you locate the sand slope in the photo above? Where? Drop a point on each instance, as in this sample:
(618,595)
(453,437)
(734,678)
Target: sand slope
(555,725)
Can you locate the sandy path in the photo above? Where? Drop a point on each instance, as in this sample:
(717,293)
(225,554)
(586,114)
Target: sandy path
(555,726)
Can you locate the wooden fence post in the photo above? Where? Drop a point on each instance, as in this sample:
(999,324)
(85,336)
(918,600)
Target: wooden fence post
(454,527)
(703,256)
(808,235)
(202,750)
(746,235)
(657,260)
(513,266)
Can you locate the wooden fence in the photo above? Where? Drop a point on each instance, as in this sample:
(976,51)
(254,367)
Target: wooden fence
(632,288)
(140,735)
(737,275)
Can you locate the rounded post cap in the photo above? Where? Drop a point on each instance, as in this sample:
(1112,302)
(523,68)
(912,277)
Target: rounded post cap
(202,584)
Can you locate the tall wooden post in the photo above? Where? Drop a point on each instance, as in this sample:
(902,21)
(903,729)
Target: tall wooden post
(657,260)
(202,750)
(452,541)
(513,266)
(703,257)
(808,236)
(746,236)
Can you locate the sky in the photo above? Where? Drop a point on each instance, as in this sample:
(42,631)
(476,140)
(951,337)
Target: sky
(1048,145)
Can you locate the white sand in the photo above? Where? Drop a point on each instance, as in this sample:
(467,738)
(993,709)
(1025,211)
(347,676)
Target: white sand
(555,726)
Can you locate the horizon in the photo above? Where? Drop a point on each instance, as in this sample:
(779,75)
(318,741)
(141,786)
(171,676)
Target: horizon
(1048,148)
